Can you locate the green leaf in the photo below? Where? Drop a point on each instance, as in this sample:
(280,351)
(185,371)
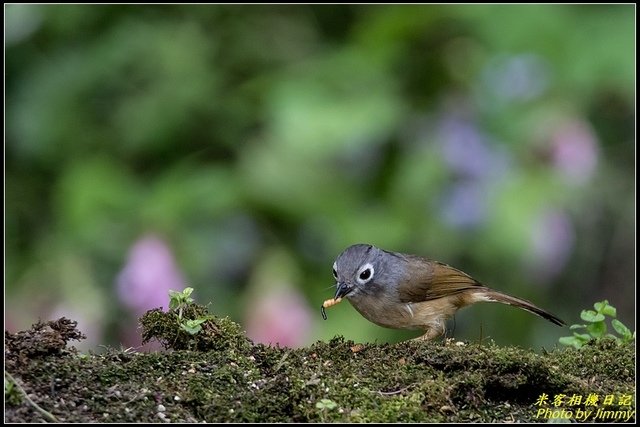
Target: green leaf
(577,326)
(326,404)
(8,386)
(570,341)
(597,329)
(178,299)
(566,340)
(620,328)
(198,321)
(591,316)
(191,326)
(582,337)
(598,305)
(175,299)
(606,309)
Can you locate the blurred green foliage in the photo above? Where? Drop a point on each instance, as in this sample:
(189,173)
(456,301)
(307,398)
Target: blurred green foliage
(260,141)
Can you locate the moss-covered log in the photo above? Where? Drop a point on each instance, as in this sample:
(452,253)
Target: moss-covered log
(220,376)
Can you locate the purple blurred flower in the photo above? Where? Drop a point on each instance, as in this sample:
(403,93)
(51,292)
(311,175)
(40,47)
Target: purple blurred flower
(149,274)
(467,150)
(464,205)
(464,148)
(281,318)
(477,165)
(520,77)
(552,240)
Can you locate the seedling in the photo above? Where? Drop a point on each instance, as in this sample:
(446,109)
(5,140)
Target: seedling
(596,328)
(325,405)
(178,301)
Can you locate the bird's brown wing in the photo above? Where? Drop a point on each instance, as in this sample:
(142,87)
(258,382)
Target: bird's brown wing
(432,280)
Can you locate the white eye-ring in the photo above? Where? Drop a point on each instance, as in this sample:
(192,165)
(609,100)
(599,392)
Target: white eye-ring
(335,271)
(365,274)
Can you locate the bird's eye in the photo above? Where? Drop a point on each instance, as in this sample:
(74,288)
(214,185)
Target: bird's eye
(365,273)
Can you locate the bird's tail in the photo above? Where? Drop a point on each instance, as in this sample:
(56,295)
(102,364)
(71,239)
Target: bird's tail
(494,296)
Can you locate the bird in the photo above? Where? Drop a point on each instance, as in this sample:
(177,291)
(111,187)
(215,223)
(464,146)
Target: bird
(403,291)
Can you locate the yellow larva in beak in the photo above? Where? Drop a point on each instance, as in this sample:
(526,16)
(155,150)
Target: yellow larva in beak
(328,303)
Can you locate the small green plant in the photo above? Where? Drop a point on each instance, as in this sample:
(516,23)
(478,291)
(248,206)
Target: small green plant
(597,328)
(325,405)
(178,301)
(11,393)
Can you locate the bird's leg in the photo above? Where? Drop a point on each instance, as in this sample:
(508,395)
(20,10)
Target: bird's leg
(432,331)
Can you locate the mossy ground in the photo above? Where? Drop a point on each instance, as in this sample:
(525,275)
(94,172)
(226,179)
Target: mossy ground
(218,375)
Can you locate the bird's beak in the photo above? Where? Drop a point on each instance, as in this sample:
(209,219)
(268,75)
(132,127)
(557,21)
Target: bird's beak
(342,290)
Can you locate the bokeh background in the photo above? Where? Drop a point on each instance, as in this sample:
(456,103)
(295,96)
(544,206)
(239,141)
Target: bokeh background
(240,149)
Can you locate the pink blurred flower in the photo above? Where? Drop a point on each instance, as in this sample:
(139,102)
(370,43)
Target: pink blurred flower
(574,151)
(281,318)
(149,274)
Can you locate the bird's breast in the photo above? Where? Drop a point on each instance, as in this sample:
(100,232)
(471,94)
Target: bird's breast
(385,313)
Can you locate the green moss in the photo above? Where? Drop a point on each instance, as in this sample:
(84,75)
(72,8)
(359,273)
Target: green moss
(216,334)
(220,376)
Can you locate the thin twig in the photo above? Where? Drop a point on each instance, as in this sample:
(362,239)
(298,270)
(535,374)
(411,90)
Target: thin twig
(391,393)
(38,408)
